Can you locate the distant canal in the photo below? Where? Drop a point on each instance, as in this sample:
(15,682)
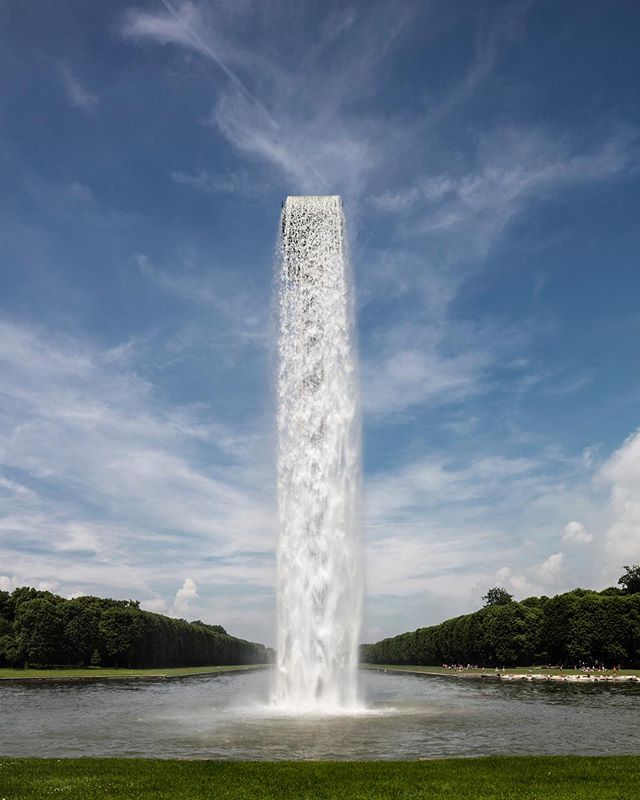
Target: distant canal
(226,716)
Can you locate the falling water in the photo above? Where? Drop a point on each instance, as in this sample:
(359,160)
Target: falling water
(319,561)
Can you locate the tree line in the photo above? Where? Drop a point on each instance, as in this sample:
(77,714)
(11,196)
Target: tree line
(38,628)
(577,627)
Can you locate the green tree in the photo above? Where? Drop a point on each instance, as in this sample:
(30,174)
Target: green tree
(214,628)
(497,597)
(7,608)
(612,590)
(45,629)
(11,654)
(81,628)
(578,626)
(119,629)
(630,581)
(39,631)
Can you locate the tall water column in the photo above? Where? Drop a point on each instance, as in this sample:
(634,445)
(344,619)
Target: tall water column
(319,552)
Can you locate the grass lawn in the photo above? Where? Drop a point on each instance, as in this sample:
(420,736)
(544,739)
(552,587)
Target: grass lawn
(112,672)
(176,672)
(508,671)
(508,778)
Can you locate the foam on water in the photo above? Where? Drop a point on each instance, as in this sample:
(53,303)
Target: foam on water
(319,552)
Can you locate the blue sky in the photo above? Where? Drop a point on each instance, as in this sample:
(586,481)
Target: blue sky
(488,156)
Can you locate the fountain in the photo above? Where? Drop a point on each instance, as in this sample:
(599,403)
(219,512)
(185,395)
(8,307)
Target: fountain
(319,552)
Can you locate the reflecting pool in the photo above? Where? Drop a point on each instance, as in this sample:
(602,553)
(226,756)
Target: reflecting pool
(227,716)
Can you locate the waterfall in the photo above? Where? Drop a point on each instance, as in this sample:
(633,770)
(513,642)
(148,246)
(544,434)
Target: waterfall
(319,551)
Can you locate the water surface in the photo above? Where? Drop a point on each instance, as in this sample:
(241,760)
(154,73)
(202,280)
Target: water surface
(227,716)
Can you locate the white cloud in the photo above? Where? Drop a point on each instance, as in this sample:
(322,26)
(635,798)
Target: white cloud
(77,94)
(516,581)
(103,476)
(551,569)
(441,482)
(458,216)
(301,122)
(156,604)
(291,114)
(176,25)
(621,473)
(526,580)
(437,362)
(469,211)
(419,376)
(590,453)
(575,533)
(8,583)
(185,25)
(242,123)
(107,486)
(439,526)
(187,592)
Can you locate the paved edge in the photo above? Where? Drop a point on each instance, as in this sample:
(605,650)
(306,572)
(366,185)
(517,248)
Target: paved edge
(519,676)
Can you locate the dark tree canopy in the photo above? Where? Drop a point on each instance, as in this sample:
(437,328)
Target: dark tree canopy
(42,629)
(630,581)
(216,628)
(578,627)
(497,597)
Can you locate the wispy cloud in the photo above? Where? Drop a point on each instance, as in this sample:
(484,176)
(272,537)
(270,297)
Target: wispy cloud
(437,527)
(105,484)
(291,113)
(109,483)
(241,311)
(603,493)
(232,182)
(77,94)
(184,24)
(417,373)
(472,487)
(494,37)
(438,361)
(456,218)
(468,212)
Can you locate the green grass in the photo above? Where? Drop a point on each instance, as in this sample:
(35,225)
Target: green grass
(506,778)
(491,670)
(177,672)
(112,672)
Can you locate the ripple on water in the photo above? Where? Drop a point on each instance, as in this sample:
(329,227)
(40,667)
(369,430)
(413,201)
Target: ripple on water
(403,717)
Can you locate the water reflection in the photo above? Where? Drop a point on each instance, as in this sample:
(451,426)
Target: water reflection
(227,716)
